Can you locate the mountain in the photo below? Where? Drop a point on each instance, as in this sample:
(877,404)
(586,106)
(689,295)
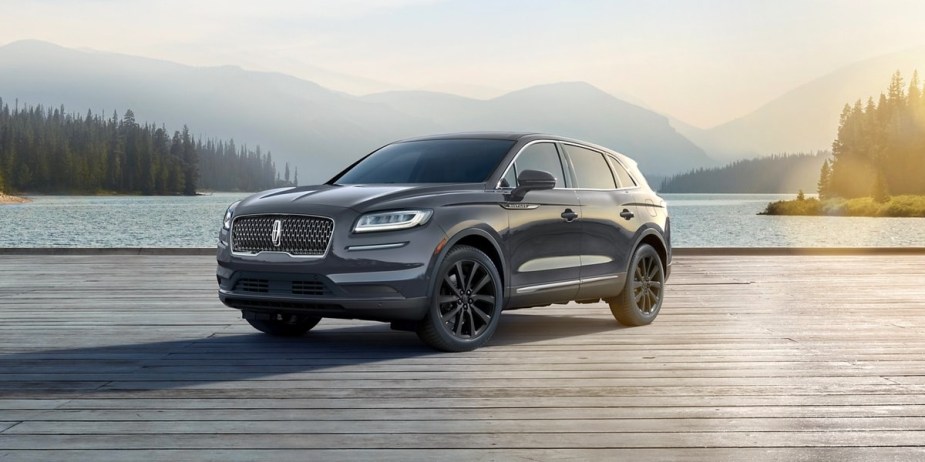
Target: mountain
(573,109)
(317,129)
(804,119)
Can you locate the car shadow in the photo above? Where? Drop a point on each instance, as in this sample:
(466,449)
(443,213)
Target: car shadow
(530,327)
(234,357)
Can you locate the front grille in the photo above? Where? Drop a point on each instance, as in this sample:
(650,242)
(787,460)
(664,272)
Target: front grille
(299,235)
(253,285)
(308,288)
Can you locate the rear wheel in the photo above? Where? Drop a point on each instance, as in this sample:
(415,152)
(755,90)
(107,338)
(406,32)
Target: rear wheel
(466,302)
(641,299)
(284,325)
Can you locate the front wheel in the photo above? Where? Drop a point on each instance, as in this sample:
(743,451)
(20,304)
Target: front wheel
(466,302)
(285,326)
(642,295)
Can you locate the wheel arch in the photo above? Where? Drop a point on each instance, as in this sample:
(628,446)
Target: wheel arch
(479,239)
(653,238)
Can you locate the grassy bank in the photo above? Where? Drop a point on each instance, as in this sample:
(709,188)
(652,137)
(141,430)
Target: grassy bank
(896,206)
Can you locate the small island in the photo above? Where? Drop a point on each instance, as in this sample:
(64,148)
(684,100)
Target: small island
(895,206)
(878,160)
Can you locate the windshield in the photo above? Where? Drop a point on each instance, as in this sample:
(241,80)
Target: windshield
(429,161)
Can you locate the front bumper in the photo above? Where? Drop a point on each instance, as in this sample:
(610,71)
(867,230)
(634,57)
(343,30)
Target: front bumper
(318,295)
(376,282)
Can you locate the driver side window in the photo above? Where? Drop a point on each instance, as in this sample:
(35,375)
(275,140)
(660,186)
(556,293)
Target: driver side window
(539,156)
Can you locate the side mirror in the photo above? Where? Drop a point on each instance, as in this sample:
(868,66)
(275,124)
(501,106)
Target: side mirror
(530,180)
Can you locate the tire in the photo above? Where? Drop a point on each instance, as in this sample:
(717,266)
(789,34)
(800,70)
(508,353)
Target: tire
(294,326)
(466,303)
(642,296)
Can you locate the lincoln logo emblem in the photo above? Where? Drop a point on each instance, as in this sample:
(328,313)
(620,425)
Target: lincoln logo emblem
(277,234)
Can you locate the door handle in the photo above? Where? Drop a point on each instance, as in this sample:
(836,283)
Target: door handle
(569,215)
(627,214)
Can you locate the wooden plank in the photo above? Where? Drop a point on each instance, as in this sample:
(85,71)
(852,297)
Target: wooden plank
(475,426)
(429,455)
(228,413)
(629,440)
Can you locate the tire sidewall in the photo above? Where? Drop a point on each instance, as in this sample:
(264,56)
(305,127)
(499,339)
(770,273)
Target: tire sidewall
(629,298)
(433,314)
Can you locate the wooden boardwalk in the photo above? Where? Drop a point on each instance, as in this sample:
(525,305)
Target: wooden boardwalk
(120,357)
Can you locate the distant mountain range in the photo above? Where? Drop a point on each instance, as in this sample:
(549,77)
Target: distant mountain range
(317,129)
(804,119)
(321,130)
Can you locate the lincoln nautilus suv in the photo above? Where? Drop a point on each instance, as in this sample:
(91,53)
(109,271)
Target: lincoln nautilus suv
(440,234)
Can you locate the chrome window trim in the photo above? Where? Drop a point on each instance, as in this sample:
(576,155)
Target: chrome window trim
(303,257)
(607,158)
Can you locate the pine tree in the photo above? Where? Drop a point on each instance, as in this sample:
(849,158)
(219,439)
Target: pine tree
(914,95)
(880,150)
(880,193)
(824,176)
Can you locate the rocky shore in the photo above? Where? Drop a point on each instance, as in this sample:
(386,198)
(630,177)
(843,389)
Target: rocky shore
(6,199)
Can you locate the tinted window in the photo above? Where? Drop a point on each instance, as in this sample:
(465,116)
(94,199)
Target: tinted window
(429,161)
(591,169)
(539,156)
(623,177)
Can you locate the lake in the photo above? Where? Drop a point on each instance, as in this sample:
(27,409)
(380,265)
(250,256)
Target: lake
(698,220)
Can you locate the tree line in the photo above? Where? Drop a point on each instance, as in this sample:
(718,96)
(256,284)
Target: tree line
(46,150)
(880,147)
(778,173)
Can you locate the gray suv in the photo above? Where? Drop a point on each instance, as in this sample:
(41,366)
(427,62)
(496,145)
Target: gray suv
(440,234)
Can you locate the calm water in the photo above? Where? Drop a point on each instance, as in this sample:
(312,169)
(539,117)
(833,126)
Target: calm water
(698,220)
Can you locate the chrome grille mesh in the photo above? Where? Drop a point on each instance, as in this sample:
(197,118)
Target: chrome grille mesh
(300,235)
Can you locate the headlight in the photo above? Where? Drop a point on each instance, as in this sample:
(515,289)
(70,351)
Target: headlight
(229,214)
(389,221)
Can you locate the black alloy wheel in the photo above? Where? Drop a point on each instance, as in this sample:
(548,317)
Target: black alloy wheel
(642,296)
(466,303)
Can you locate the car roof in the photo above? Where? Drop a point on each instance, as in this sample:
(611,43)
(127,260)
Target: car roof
(483,135)
(514,136)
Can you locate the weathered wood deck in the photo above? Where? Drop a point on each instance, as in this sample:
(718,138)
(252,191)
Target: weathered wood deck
(117,357)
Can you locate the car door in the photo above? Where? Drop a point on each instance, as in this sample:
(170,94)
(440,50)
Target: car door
(610,219)
(543,238)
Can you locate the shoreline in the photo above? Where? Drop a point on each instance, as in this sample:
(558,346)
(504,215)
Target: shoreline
(6,199)
(677,251)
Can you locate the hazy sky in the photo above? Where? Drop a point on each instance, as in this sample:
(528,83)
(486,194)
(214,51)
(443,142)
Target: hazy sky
(704,62)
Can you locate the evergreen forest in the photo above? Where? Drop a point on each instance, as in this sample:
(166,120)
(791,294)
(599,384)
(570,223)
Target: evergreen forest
(880,148)
(778,173)
(44,150)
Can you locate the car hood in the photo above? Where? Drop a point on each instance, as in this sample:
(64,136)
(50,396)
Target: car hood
(357,197)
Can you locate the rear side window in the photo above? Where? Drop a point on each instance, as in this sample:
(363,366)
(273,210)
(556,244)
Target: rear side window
(429,161)
(591,170)
(623,177)
(539,156)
